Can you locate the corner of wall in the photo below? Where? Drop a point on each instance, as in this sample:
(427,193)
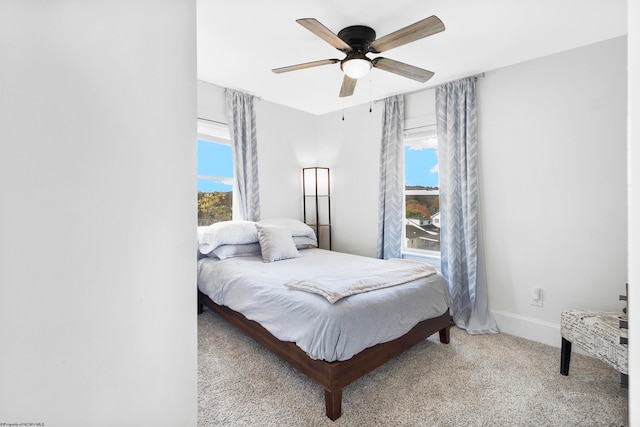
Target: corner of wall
(531,329)
(528,327)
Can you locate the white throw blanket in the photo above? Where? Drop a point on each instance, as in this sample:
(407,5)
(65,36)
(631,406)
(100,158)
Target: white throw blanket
(391,272)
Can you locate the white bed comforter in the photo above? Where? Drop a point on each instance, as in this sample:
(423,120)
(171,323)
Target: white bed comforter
(392,272)
(323,330)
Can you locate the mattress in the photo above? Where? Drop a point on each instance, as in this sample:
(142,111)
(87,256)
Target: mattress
(323,330)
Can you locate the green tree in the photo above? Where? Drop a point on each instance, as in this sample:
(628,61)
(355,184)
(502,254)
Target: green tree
(214,207)
(416,209)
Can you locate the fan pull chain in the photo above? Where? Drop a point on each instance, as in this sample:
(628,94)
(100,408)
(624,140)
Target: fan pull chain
(370,96)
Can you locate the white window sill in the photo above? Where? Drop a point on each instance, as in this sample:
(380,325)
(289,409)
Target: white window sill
(429,257)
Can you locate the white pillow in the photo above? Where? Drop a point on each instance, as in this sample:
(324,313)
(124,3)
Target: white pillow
(304,242)
(276,243)
(297,228)
(226,233)
(230,251)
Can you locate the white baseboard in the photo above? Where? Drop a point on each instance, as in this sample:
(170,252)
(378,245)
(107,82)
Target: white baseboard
(528,328)
(531,329)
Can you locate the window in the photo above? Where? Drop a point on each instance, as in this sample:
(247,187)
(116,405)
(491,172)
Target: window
(215,174)
(422,195)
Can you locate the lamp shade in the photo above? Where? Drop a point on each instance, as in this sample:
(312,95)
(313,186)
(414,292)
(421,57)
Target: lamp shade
(356,67)
(316,194)
(315,181)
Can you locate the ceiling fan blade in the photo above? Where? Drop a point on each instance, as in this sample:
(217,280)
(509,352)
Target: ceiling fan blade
(402,69)
(305,65)
(413,32)
(348,86)
(324,33)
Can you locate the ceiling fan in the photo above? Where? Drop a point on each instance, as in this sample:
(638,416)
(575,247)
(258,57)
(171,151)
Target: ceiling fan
(358,40)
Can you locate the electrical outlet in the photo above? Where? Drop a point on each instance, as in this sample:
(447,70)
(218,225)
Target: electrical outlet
(536,297)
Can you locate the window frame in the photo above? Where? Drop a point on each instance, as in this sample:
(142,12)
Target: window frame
(218,133)
(414,132)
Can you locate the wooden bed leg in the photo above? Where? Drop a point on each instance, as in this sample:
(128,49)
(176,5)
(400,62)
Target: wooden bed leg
(565,356)
(333,403)
(444,335)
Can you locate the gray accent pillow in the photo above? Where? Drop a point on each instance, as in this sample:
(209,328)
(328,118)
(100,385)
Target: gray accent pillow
(296,227)
(276,243)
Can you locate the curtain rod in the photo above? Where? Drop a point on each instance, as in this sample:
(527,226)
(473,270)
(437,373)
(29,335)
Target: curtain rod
(476,76)
(259,98)
(212,121)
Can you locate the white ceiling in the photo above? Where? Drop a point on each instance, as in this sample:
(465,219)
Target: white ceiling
(240,41)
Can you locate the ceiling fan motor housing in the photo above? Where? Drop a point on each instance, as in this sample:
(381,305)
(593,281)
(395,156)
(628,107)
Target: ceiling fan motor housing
(359,37)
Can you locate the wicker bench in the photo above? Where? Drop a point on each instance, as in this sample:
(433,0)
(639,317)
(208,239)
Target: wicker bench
(598,334)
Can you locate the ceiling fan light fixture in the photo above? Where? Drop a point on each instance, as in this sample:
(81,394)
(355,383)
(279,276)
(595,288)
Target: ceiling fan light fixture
(356,41)
(356,67)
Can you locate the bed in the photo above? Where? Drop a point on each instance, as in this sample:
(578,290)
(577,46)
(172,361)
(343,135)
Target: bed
(333,316)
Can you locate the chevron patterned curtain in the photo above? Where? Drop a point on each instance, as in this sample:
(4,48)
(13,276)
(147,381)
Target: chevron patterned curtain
(456,116)
(391,179)
(242,127)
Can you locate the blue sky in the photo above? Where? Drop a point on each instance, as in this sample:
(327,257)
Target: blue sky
(421,166)
(216,160)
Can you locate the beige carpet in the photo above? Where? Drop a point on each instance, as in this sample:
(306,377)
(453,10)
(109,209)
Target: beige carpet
(488,380)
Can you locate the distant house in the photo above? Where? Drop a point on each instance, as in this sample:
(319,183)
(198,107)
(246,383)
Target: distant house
(420,221)
(422,234)
(435,219)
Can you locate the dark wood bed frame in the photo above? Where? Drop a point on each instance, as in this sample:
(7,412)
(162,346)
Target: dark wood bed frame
(332,376)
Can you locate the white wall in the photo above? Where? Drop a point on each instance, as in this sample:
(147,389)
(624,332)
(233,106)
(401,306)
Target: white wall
(351,148)
(286,144)
(634,207)
(540,201)
(552,163)
(97,184)
(289,140)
